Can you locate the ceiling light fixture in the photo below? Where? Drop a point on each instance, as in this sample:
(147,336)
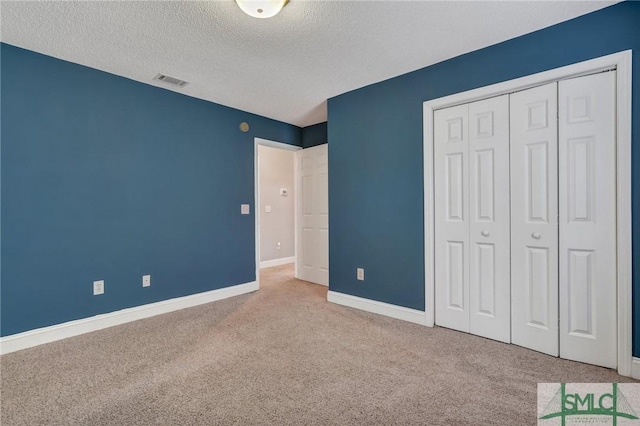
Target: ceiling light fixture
(261,8)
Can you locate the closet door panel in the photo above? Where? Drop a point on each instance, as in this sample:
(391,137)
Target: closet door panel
(489,254)
(587,159)
(534,214)
(451,144)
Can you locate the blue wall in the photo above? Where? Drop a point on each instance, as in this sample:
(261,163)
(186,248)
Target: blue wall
(107,178)
(314,135)
(375,155)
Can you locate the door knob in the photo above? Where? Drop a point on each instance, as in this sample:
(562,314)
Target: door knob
(485,233)
(536,235)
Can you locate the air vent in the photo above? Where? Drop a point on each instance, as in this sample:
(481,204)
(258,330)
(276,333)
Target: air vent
(170,80)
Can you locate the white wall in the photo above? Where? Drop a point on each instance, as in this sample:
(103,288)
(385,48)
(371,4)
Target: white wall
(276,171)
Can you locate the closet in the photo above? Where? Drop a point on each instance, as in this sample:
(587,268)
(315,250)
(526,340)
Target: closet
(525,218)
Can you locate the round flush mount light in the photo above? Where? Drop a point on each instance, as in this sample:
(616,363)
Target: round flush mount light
(244,127)
(261,8)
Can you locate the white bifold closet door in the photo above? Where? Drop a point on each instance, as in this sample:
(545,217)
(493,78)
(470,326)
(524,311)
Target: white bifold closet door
(525,218)
(489,253)
(563,219)
(534,218)
(587,173)
(472,218)
(451,157)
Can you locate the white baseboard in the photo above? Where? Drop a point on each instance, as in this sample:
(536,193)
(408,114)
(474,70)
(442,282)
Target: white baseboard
(381,308)
(277,262)
(635,368)
(39,336)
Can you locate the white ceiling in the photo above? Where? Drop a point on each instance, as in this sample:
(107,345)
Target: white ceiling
(284,67)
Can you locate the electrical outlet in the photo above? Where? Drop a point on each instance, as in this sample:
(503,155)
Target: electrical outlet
(98,287)
(245,209)
(146,280)
(360,274)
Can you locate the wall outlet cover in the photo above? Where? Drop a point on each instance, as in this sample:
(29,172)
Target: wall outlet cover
(360,274)
(146,280)
(244,209)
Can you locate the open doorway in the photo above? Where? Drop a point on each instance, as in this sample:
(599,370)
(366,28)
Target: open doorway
(292,210)
(276,195)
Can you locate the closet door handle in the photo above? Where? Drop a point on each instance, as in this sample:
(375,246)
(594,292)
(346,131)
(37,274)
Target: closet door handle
(536,235)
(485,233)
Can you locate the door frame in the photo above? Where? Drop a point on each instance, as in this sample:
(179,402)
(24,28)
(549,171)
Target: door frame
(620,61)
(256,202)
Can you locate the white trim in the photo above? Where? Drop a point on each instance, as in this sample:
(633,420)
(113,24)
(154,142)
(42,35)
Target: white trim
(52,333)
(429,220)
(274,144)
(380,308)
(277,262)
(297,169)
(591,66)
(623,129)
(256,196)
(621,61)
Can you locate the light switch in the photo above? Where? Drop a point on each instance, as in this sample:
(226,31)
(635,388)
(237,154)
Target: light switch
(98,287)
(267,209)
(244,209)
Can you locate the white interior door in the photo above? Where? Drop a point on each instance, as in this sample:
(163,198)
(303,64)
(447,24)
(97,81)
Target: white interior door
(489,238)
(451,145)
(534,218)
(313,215)
(587,173)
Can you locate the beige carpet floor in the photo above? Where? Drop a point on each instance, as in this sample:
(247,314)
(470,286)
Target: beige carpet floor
(282,355)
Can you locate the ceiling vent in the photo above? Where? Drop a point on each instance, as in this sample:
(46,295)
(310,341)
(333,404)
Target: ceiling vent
(170,80)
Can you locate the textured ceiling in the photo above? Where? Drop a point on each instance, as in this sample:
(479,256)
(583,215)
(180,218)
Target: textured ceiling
(284,67)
